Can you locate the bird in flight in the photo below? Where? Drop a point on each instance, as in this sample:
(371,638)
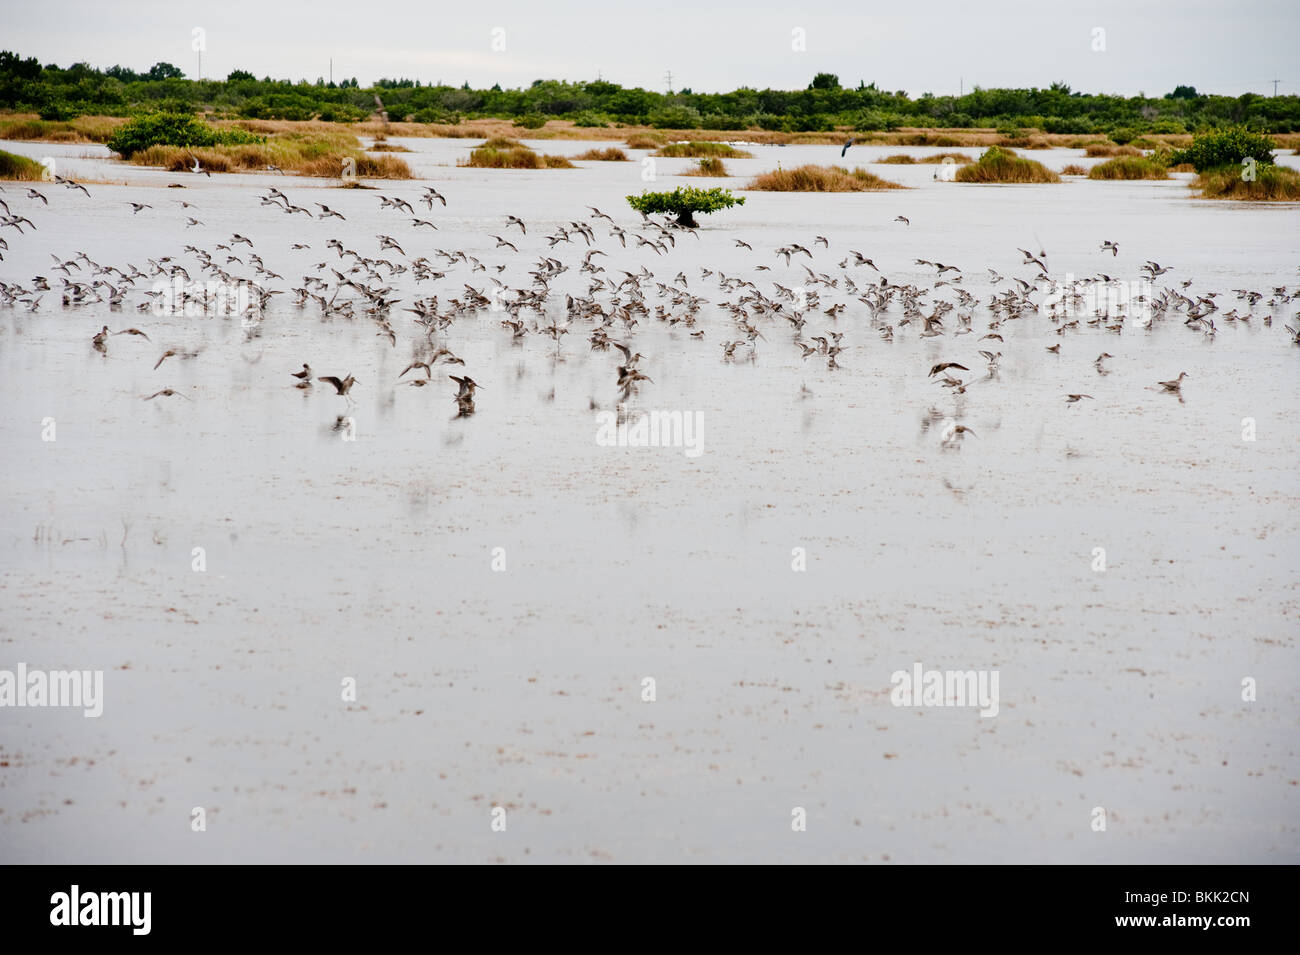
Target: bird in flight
(944,366)
(846,147)
(341,387)
(903,219)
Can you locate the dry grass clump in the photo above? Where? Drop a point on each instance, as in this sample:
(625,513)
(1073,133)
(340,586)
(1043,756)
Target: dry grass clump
(928,139)
(1129,167)
(1074,169)
(1182,167)
(937,158)
(83,129)
(820,179)
(319,154)
(944,157)
(1272,184)
(388,148)
(702,150)
(712,166)
(178,158)
(21,168)
(645,141)
(612,154)
(502,153)
(1002,165)
(1109,149)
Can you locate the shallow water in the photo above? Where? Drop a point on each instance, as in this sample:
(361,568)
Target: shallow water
(372,558)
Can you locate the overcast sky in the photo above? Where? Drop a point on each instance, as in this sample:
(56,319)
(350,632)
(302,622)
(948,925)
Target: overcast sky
(1230,46)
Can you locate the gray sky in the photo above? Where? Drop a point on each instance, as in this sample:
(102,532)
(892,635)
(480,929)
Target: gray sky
(1220,47)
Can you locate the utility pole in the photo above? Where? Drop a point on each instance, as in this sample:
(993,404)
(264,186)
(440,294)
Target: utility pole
(331,71)
(669,78)
(1275,82)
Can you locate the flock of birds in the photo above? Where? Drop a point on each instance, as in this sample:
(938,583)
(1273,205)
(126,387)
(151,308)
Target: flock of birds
(350,282)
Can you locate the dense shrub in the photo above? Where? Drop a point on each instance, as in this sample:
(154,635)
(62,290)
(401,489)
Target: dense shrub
(1225,147)
(173,129)
(675,117)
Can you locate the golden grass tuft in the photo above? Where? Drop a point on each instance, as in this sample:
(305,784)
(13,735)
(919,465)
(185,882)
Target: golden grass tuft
(1096,150)
(612,154)
(1074,169)
(502,153)
(899,159)
(388,148)
(701,149)
(83,129)
(1129,167)
(1272,184)
(1001,165)
(13,166)
(645,141)
(306,154)
(820,179)
(710,166)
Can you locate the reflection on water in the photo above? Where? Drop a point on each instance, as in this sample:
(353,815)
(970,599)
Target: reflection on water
(499,582)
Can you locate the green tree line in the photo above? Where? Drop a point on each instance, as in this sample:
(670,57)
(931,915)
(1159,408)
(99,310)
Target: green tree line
(64,92)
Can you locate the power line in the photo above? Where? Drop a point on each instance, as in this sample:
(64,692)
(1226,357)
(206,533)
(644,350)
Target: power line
(669,77)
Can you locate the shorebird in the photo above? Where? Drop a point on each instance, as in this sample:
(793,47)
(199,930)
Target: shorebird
(166,393)
(467,386)
(846,147)
(742,244)
(430,194)
(903,219)
(944,366)
(1112,246)
(136,207)
(304,375)
(1174,387)
(326,212)
(197,167)
(426,365)
(1071,399)
(953,434)
(340,387)
(503,244)
(1101,358)
(33,194)
(131,331)
(515,220)
(100,338)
